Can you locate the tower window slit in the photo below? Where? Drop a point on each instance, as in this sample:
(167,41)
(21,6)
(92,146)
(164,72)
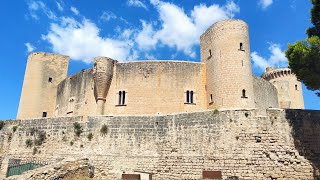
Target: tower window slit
(244,94)
(296,87)
(50,79)
(241,47)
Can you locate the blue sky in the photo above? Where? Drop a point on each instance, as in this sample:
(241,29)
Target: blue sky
(138,29)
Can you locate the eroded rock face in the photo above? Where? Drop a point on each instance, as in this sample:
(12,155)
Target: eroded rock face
(102,74)
(65,170)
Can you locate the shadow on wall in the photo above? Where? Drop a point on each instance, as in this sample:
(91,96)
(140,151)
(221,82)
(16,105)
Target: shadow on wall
(306,133)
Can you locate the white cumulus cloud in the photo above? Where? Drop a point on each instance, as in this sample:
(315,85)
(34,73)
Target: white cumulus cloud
(137,3)
(74,10)
(59,6)
(265,3)
(82,41)
(179,29)
(277,58)
(107,16)
(30,47)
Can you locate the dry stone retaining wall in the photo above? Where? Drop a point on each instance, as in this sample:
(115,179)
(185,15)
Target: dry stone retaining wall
(281,145)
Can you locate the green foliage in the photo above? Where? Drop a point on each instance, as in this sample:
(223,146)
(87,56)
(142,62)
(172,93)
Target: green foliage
(29,143)
(215,111)
(41,137)
(1,124)
(14,128)
(90,136)
(71,143)
(77,129)
(104,130)
(304,56)
(304,60)
(315,19)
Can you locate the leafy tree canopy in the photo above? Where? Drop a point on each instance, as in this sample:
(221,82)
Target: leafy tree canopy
(304,56)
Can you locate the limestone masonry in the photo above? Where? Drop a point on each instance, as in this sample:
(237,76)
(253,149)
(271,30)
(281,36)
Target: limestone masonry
(222,80)
(156,119)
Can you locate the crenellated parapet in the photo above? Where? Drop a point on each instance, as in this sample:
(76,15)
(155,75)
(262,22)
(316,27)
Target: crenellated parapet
(272,73)
(102,75)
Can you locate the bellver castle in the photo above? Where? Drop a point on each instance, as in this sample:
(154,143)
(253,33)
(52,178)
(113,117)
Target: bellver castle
(162,119)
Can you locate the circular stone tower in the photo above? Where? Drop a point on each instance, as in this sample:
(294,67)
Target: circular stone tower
(288,87)
(225,48)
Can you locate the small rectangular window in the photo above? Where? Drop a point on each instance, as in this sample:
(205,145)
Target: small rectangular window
(44,114)
(122,98)
(50,79)
(241,47)
(244,94)
(296,87)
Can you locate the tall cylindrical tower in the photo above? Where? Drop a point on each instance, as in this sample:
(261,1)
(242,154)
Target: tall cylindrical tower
(225,48)
(102,73)
(289,88)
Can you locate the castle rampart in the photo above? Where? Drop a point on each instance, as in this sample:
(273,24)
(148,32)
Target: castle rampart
(281,145)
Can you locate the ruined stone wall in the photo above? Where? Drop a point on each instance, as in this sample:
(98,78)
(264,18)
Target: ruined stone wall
(265,95)
(44,72)
(225,48)
(281,145)
(75,95)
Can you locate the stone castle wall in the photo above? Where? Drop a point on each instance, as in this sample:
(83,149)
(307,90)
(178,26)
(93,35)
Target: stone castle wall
(265,95)
(281,145)
(44,72)
(152,87)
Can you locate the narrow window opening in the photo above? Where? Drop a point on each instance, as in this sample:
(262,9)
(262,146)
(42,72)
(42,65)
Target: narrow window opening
(244,94)
(50,79)
(241,47)
(189,97)
(122,98)
(211,98)
(210,53)
(296,86)
(242,63)
(44,114)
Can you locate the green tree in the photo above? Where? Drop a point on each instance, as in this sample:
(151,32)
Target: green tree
(304,56)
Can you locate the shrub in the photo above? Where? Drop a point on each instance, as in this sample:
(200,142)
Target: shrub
(81,146)
(77,129)
(104,130)
(40,138)
(215,111)
(90,136)
(29,143)
(35,150)
(1,124)
(14,128)
(32,131)
(71,143)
